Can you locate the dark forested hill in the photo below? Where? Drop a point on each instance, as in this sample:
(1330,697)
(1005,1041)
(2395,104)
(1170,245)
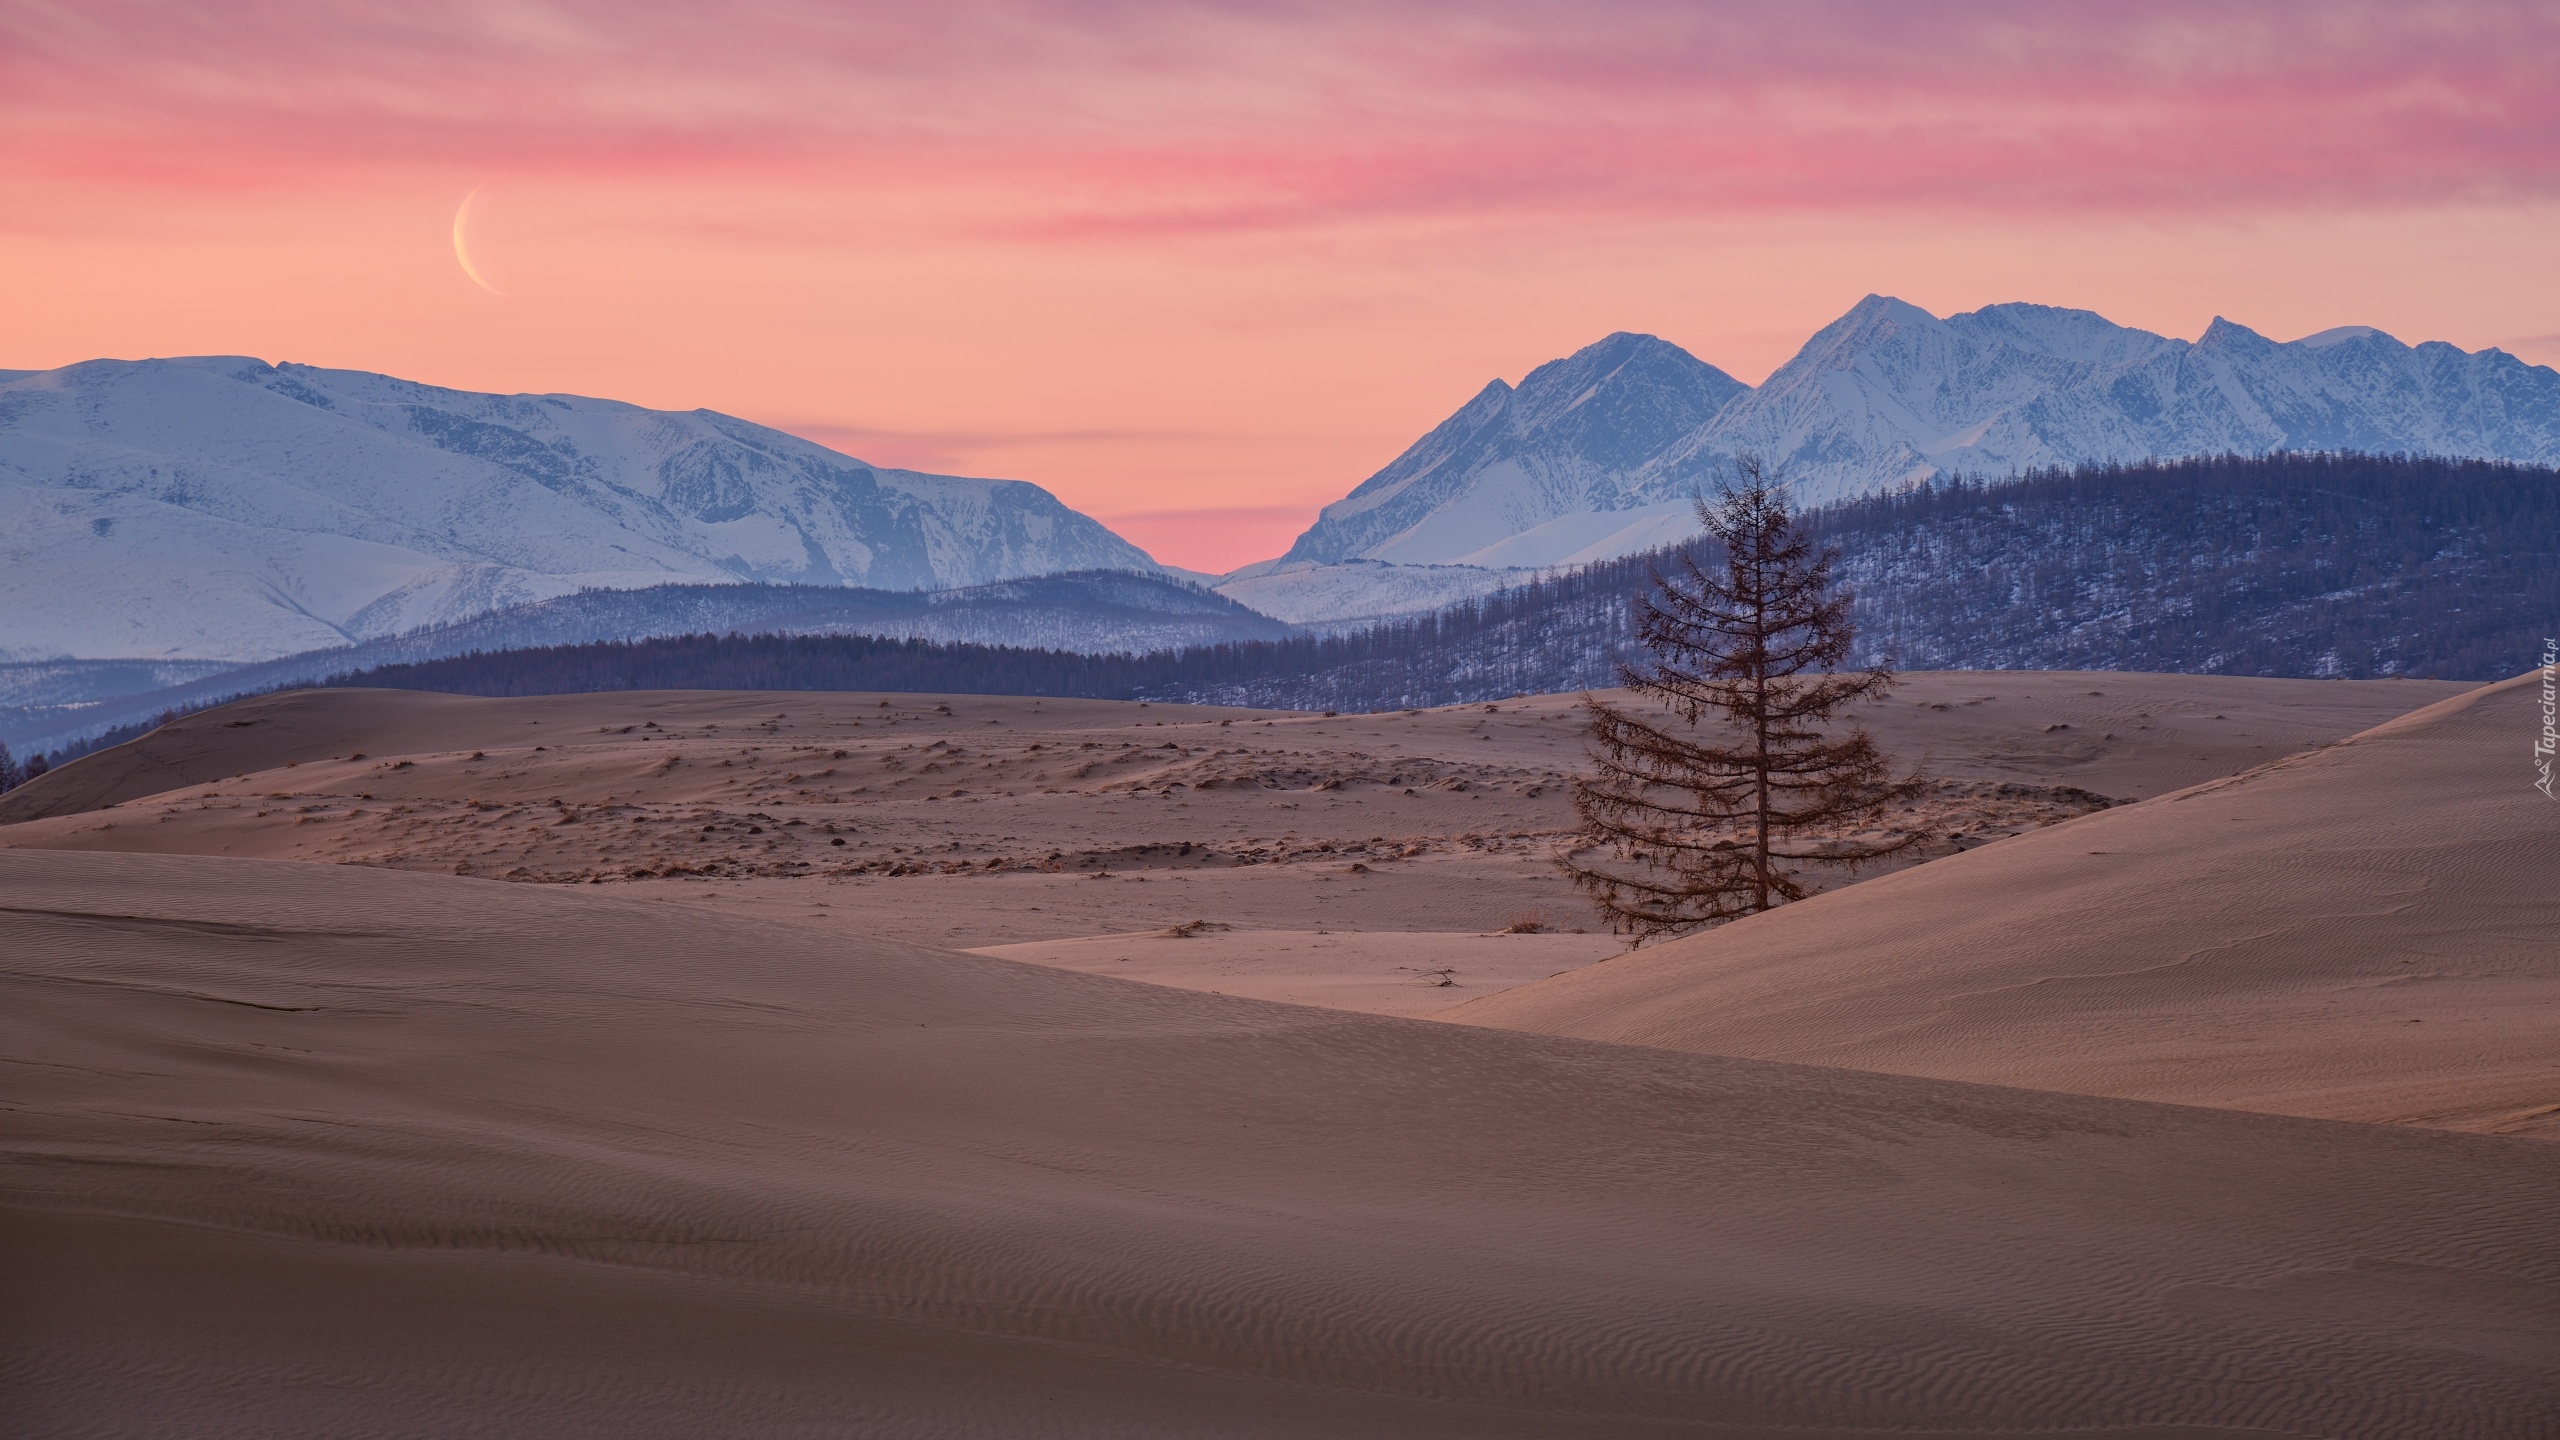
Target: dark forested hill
(2319,565)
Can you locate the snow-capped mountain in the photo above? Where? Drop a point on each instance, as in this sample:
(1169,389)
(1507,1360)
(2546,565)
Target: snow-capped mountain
(223,508)
(1490,485)
(1886,397)
(1889,395)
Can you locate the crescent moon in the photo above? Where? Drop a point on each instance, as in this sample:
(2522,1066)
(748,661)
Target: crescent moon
(462,250)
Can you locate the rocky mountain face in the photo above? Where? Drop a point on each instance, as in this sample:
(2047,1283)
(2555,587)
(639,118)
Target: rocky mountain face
(223,508)
(1885,398)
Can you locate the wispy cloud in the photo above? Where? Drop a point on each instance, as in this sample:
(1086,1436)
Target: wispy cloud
(1103,121)
(1155,256)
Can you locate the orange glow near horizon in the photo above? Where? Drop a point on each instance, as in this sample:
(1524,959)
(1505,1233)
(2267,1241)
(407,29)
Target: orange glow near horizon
(1200,269)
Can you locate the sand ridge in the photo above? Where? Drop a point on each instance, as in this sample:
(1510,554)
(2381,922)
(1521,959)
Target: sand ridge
(321,1149)
(2367,931)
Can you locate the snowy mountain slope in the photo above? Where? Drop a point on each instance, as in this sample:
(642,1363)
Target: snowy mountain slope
(1561,444)
(219,507)
(1883,398)
(1889,395)
(1356,592)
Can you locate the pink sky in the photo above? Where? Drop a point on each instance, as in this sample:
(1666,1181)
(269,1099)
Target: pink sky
(1199,269)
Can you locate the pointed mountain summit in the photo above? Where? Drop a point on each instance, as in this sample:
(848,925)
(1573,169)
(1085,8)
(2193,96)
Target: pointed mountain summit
(1513,460)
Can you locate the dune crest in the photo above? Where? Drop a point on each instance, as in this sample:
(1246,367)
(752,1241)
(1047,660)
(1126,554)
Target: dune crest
(2366,931)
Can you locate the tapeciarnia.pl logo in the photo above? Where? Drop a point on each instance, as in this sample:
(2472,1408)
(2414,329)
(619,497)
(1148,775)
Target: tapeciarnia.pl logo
(2549,740)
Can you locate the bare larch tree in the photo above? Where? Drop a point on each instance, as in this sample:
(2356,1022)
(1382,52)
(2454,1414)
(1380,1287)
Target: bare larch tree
(1714,810)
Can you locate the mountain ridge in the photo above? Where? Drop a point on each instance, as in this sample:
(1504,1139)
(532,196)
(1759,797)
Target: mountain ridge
(1571,425)
(219,507)
(1890,396)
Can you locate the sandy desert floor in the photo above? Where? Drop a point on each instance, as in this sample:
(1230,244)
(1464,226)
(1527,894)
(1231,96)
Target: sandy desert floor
(597,1089)
(975,821)
(306,1150)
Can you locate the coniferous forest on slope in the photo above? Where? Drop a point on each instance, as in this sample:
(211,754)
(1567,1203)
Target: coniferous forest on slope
(2287,565)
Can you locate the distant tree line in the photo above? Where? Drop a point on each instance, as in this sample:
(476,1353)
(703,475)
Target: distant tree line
(2281,565)
(14,774)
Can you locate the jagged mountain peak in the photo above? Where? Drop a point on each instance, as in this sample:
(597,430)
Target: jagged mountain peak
(1606,356)
(2225,334)
(1511,459)
(1875,309)
(1882,399)
(1889,396)
(1874,321)
(1595,388)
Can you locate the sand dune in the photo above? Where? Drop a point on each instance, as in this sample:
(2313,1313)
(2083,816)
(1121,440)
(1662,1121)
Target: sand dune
(325,1150)
(973,820)
(2370,931)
